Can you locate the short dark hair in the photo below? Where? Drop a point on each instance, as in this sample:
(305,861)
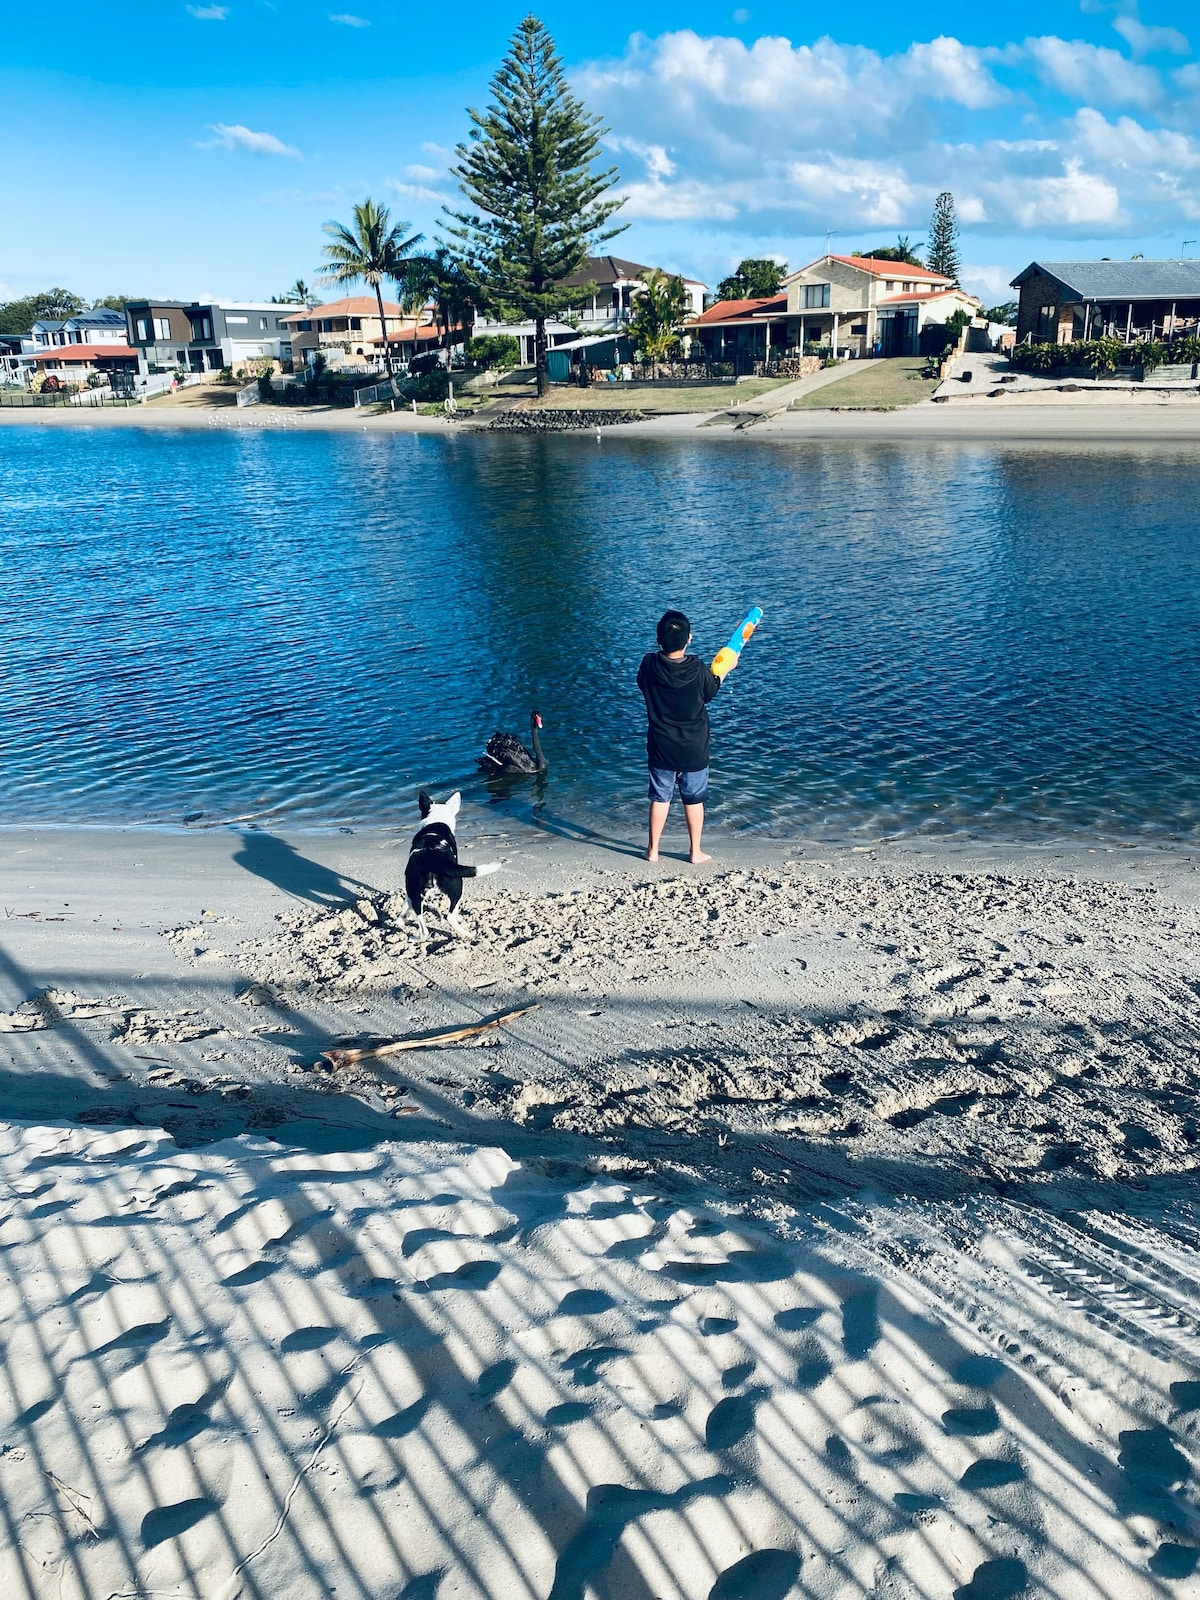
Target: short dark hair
(674,631)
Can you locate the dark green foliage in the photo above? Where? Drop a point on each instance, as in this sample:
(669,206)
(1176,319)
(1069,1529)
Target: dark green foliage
(266,390)
(942,254)
(428,388)
(756,278)
(1006,312)
(903,251)
(957,321)
(497,352)
(537,201)
(659,312)
(115,302)
(18,316)
(371,250)
(1100,356)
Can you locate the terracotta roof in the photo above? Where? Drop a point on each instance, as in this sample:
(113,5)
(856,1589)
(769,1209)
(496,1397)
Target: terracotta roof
(886,269)
(356,305)
(739,310)
(888,299)
(84,352)
(427,330)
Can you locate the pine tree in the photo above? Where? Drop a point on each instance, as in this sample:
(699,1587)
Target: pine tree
(942,254)
(527,170)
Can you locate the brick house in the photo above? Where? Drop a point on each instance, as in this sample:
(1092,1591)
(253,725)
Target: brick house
(1064,300)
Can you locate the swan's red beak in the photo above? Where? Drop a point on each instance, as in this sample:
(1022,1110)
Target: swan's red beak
(537,719)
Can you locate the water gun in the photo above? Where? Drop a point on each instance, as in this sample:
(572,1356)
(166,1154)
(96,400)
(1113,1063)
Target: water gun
(726,657)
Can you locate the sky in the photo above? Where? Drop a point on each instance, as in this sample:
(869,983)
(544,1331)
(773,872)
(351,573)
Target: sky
(195,149)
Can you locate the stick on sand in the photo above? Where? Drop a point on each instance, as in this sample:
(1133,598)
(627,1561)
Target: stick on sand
(423,1041)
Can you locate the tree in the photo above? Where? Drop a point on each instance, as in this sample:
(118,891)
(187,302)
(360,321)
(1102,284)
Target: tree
(538,202)
(1006,313)
(449,287)
(942,254)
(298,295)
(115,302)
(903,251)
(659,312)
(756,278)
(371,249)
(19,316)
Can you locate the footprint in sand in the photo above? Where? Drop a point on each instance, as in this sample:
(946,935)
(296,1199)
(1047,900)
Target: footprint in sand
(813,1366)
(991,1474)
(585,1303)
(475,1275)
(494,1379)
(1002,1579)
(710,1326)
(765,1575)
(584,1365)
(138,1338)
(569,1411)
(307,1339)
(734,1377)
(402,1423)
(169,1522)
(797,1318)
(1174,1561)
(973,1421)
(730,1420)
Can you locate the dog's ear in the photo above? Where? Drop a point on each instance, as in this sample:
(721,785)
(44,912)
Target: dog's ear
(424,803)
(453,803)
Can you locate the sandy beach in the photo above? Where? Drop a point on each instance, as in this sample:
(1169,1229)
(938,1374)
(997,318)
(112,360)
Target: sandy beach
(828,1228)
(1104,418)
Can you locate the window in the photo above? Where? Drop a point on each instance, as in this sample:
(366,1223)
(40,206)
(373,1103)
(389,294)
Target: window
(143,330)
(201,328)
(237,319)
(262,324)
(162,327)
(356,324)
(815,294)
(890,286)
(1047,324)
(859,328)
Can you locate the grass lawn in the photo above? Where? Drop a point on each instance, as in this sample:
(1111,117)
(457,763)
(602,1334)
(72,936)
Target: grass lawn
(897,382)
(655,402)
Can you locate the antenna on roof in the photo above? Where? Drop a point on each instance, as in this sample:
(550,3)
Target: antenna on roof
(830,233)
(1185,244)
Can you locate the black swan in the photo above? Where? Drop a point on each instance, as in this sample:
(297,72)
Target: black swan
(506,755)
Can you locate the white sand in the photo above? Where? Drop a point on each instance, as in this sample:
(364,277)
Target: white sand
(829,1230)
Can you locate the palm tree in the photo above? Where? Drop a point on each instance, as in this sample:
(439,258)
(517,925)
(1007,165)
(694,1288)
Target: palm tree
(659,313)
(450,287)
(372,249)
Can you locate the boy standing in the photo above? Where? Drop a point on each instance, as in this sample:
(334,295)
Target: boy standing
(677,688)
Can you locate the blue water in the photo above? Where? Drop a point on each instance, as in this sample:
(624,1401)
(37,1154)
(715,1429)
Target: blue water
(993,641)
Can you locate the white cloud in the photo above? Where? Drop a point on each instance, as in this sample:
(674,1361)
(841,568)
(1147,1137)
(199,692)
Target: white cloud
(208,13)
(416,191)
(1075,200)
(1093,72)
(348,19)
(1146,40)
(234,136)
(658,162)
(990,283)
(419,174)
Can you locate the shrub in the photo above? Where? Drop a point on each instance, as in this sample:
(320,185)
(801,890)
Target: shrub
(1186,348)
(428,388)
(1149,354)
(956,322)
(495,352)
(266,390)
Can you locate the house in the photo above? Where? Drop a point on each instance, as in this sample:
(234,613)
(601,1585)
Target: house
(1064,300)
(860,306)
(350,325)
(75,363)
(611,283)
(206,336)
(744,331)
(100,326)
(16,357)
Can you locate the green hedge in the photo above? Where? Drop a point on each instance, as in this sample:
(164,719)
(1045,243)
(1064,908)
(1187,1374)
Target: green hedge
(1105,355)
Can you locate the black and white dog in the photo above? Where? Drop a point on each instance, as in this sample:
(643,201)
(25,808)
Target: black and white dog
(434,860)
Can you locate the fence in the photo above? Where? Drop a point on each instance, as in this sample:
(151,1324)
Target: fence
(375,392)
(23,400)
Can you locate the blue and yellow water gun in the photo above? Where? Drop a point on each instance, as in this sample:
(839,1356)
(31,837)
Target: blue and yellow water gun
(726,657)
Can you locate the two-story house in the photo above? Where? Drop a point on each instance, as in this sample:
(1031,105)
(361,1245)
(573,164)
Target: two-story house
(206,336)
(350,325)
(72,348)
(611,284)
(857,305)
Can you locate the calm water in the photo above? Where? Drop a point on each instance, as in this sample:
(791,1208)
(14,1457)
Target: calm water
(970,639)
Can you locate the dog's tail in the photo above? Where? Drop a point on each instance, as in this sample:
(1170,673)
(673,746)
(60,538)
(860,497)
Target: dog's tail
(460,869)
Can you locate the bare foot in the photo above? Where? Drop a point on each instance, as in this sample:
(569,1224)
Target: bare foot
(651,855)
(699,857)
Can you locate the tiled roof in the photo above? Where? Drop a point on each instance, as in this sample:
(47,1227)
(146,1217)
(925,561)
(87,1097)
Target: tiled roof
(606,270)
(926,295)
(1121,280)
(356,305)
(83,352)
(888,269)
(740,310)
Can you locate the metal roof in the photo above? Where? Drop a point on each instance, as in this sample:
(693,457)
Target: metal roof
(1120,280)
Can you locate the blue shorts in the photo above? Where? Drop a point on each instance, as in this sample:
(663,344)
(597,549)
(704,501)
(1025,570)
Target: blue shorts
(693,786)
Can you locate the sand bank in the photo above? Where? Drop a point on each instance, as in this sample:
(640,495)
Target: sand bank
(829,1228)
(1102,418)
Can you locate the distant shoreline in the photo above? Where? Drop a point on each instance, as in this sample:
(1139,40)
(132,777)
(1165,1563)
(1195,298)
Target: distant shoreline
(1096,420)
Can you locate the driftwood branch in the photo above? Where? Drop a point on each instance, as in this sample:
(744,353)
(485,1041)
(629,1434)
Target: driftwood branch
(423,1041)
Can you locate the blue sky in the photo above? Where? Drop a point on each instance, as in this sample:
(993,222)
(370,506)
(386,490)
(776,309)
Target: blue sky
(149,146)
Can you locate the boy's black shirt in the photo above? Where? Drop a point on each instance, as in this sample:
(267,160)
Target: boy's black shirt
(676,695)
